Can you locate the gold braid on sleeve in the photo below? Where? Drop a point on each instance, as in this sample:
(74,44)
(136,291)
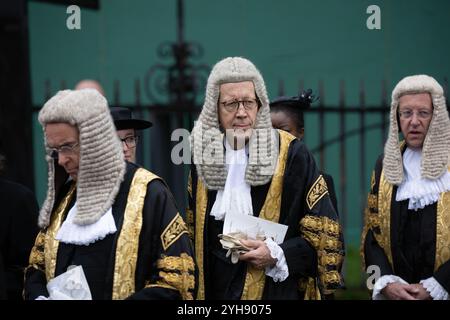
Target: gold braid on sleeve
(37,258)
(323,234)
(177,273)
(190,223)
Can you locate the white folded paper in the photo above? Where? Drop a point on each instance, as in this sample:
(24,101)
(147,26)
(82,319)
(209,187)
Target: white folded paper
(253,227)
(70,285)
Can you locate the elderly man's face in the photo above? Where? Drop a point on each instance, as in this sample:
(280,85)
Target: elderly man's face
(239,118)
(63,137)
(416,111)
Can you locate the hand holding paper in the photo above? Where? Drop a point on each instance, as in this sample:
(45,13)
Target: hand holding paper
(232,243)
(239,227)
(259,255)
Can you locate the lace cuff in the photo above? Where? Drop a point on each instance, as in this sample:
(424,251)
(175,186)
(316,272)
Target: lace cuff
(279,272)
(437,292)
(383,282)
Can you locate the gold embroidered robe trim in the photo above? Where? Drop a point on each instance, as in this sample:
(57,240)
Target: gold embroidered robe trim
(323,234)
(330,277)
(310,287)
(189,186)
(371,218)
(37,258)
(255,278)
(183,263)
(190,223)
(174,230)
(372,202)
(182,282)
(378,216)
(331,259)
(51,244)
(128,241)
(321,224)
(201,203)
(177,273)
(442,230)
(189,212)
(372,180)
(384,217)
(317,191)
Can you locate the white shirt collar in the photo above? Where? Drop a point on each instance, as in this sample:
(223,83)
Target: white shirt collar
(420,191)
(85,235)
(236,196)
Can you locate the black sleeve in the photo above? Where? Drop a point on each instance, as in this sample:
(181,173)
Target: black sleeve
(20,234)
(35,279)
(3,295)
(314,245)
(301,257)
(330,184)
(35,284)
(165,268)
(374,255)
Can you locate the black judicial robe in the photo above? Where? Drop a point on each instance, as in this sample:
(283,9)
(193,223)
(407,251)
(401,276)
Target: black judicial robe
(331,190)
(18,228)
(415,247)
(307,228)
(164,266)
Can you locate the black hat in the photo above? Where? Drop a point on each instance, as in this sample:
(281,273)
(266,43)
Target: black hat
(301,102)
(123,119)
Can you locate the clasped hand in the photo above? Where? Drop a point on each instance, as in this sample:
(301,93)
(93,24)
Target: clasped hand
(259,255)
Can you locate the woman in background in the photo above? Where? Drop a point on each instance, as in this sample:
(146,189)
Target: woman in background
(287,115)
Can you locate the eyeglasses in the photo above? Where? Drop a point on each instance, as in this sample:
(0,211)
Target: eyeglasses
(66,150)
(421,114)
(233,106)
(130,141)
